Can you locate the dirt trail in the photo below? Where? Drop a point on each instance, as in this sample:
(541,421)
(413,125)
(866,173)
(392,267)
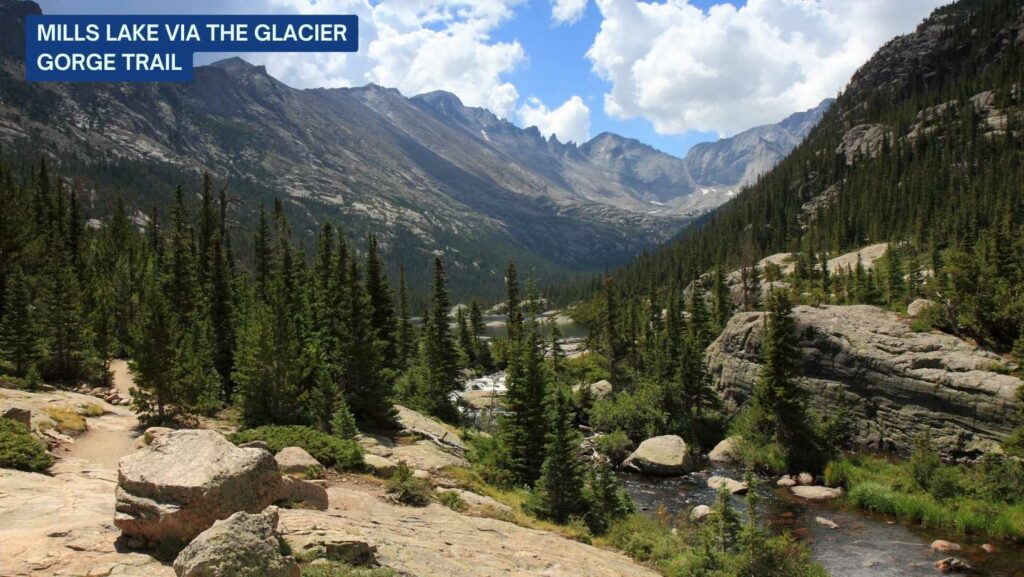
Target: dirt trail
(112,435)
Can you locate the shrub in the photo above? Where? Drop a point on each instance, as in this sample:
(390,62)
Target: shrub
(19,449)
(638,414)
(342,454)
(12,382)
(453,501)
(490,460)
(615,445)
(68,421)
(406,489)
(339,569)
(839,473)
(944,483)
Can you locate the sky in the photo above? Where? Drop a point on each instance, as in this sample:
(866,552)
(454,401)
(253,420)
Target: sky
(669,73)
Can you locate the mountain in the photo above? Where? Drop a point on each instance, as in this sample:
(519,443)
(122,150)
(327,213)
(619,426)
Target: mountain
(923,150)
(427,173)
(737,161)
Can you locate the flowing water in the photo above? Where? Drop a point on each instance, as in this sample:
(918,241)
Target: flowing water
(864,544)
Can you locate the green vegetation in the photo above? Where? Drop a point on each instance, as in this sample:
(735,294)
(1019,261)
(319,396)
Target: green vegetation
(19,449)
(331,451)
(407,489)
(984,499)
(339,569)
(453,501)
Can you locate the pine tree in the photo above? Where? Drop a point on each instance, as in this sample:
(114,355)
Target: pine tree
(153,355)
(343,424)
(367,392)
(514,322)
(558,494)
(20,342)
(439,359)
(894,281)
(606,499)
(613,347)
(382,305)
(478,330)
(465,339)
(700,320)
(722,300)
(525,424)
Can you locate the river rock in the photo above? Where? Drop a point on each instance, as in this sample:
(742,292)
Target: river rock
(600,390)
(805,479)
(816,492)
(726,452)
(699,512)
(666,455)
(951,565)
(296,461)
(379,466)
(735,487)
(942,546)
(785,481)
(826,522)
(895,384)
(243,545)
(989,548)
(175,488)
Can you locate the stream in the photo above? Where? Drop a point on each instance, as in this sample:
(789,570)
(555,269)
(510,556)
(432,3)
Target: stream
(864,544)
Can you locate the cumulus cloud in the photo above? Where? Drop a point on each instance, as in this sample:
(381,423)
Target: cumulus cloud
(415,46)
(567,11)
(570,122)
(727,69)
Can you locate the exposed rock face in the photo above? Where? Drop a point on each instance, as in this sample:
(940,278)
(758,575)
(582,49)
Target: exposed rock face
(305,493)
(666,455)
(419,425)
(863,141)
(599,390)
(918,307)
(896,384)
(296,461)
(183,481)
(243,545)
(379,466)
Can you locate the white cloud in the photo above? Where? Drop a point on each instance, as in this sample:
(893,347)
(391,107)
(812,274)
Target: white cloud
(567,11)
(727,69)
(415,46)
(570,122)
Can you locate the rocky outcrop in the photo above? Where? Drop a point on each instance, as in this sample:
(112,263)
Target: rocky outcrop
(420,425)
(666,455)
(176,488)
(726,452)
(599,390)
(894,383)
(243,545)
(863,141)
(380,466)
(296,461)
(304,493)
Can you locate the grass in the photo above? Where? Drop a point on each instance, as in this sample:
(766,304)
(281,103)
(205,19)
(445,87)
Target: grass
(339,569)
(969,501)
(408,490)
(90,410)
(453,501)
(67,420)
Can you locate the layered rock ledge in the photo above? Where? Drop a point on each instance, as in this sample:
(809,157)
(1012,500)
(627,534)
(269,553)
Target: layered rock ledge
(896,384)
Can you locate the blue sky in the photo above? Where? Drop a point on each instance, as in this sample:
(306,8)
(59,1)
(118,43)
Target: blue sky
(670,73)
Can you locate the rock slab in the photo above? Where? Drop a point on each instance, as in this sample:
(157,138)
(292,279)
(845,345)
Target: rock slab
(666,455)
(176,488)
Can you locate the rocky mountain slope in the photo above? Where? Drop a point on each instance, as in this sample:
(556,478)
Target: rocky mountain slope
(426,173)
(895,384)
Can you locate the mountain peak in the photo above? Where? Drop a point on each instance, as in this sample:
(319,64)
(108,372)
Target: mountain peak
(12,25)
(237,64)
(441,100)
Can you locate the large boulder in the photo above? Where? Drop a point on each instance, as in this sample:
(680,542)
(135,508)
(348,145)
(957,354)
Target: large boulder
(243,545)
(600,390)
(307,494)
(666,455)
(816,492)
(732,485)
(296,461)
(895,384)
(176,488)
(420,425)
(726,452)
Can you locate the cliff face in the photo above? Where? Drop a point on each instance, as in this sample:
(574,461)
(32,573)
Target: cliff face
(896,384)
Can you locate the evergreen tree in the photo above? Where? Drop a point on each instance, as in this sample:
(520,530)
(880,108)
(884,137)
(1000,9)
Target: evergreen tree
(382,306)
(478,330)
(406,333)
(525,423)
(156,395)
(439,359)
(514,322)
(465,339)
(558,494)
(20,342)
(722,300)
(367,391)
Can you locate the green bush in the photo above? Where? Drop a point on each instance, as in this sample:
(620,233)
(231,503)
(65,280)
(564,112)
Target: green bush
(490,460)
(453,501)
(839,473)
(19,449)
(342,454)
(638,414)
(339,569)
(12,382)
(615,445)
(408,490)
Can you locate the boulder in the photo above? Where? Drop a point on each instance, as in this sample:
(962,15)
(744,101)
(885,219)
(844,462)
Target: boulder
(176,488)
(726,452)
(666,455)
(380,466)
(918,307)
(989,548)
(599,390)
(296,461)
(816,492)
(805,479)
(427,456)
(735,487)
(23,416)
(305,493)
(699,512)
(785,481)
(419,425)
(895,384)
(154,433)
(243,545)
(941,546)
(826,522)
(255,445)
(951,565)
